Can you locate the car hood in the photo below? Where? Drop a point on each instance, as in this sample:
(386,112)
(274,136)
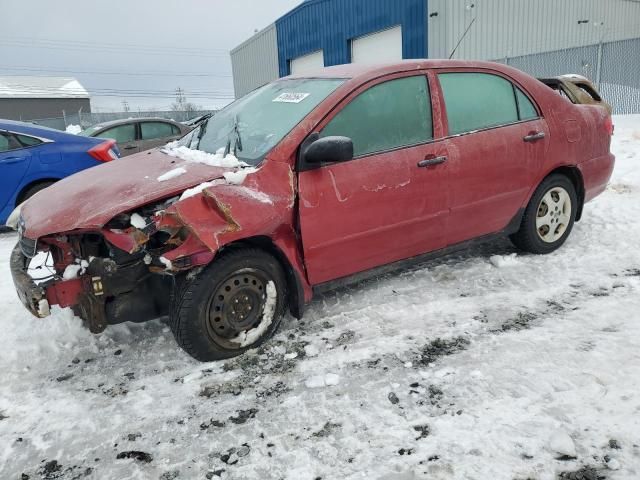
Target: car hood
(89,199)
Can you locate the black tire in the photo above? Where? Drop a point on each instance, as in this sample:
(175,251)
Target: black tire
(529,238)
(32,190)
(202,318)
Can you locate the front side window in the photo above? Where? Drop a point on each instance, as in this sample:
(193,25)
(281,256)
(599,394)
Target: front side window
(390,115)
(152,130)
(121,133)
(253,125)
(8,142)
(475,101)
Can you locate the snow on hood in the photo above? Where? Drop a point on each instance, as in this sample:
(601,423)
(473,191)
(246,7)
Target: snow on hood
(89,199)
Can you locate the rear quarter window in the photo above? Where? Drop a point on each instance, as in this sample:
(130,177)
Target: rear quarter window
(28,141)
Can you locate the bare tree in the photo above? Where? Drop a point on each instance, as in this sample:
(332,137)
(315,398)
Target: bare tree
(182,105)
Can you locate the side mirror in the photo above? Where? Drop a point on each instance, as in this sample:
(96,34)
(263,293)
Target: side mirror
(329,150)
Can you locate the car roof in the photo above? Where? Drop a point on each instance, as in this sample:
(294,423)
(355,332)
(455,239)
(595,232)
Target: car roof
(39,131)
(124,121)
(363,71)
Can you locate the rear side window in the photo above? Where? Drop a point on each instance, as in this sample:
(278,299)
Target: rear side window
(28,141)
(8,142)
(387,116)
(121,133)
(152,130)
(477,100)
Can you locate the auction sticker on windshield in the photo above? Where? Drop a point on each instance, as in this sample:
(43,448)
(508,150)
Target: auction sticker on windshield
(291,97)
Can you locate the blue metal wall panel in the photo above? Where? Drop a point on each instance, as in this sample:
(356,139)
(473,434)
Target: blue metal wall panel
(331,24)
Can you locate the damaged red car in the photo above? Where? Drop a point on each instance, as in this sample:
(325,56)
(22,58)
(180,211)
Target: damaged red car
(309,183)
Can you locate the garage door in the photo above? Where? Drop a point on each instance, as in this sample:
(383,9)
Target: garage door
(308,63)
(384,46)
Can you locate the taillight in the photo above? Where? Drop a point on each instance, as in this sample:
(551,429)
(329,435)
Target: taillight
(608,125)
(105,151)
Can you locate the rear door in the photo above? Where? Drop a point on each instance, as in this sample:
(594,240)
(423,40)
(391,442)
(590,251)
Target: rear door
(126,137)
(14,163)
(381,206)
(497,141)
(157,134)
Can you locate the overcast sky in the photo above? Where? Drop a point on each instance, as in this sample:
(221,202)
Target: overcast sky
(173,43)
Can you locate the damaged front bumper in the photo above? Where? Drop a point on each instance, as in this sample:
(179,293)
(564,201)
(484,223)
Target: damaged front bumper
(108,293)
(31,295)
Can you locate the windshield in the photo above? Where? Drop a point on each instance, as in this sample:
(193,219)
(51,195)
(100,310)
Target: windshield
(250,127)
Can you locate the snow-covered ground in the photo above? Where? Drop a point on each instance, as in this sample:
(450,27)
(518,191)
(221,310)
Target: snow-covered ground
(485,365)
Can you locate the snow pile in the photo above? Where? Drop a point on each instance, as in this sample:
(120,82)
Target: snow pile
(75,269)
(500,261)
(562,444)
(319,381)
(176,172)
(238,177)
(73,129)
(198,156)
(192,192)
(138,221)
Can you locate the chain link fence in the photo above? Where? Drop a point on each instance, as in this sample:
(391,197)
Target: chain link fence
(613,66)
(87,119)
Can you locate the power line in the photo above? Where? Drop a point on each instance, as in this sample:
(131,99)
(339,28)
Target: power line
(112,46)
(97,72)
(110,50)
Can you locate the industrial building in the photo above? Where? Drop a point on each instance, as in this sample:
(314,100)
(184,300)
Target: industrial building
(542,37)
(33,98)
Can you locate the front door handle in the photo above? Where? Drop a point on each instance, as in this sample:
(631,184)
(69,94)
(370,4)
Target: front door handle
(534,137)
(129,147)
(12,160)
(430,162)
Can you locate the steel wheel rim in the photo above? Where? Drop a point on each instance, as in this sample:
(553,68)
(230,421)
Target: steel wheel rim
(236,306)
(553,215)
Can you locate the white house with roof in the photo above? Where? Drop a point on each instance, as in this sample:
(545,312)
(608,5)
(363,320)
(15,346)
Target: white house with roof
(33,98)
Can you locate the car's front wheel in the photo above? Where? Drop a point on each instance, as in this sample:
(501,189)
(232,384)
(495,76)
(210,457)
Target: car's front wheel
(235,304)
(549,217)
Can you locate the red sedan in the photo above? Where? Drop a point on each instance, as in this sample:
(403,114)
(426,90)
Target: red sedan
(308,183)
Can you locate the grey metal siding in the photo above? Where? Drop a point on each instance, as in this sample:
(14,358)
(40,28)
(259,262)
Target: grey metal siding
(39,108)
(513,28)
(255,62)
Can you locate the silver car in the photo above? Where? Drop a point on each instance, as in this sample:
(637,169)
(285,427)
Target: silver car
(135,135)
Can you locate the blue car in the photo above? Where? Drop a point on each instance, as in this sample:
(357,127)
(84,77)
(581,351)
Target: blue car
(34,157)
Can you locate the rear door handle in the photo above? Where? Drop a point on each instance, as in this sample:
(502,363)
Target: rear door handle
(430,162)
(534,137)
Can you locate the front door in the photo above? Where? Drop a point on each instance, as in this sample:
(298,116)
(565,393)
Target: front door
(386,204)
(14,162)
(497,142)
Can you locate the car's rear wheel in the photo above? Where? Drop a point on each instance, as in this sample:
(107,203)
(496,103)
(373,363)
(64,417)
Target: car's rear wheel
(233,305)
(549,217)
